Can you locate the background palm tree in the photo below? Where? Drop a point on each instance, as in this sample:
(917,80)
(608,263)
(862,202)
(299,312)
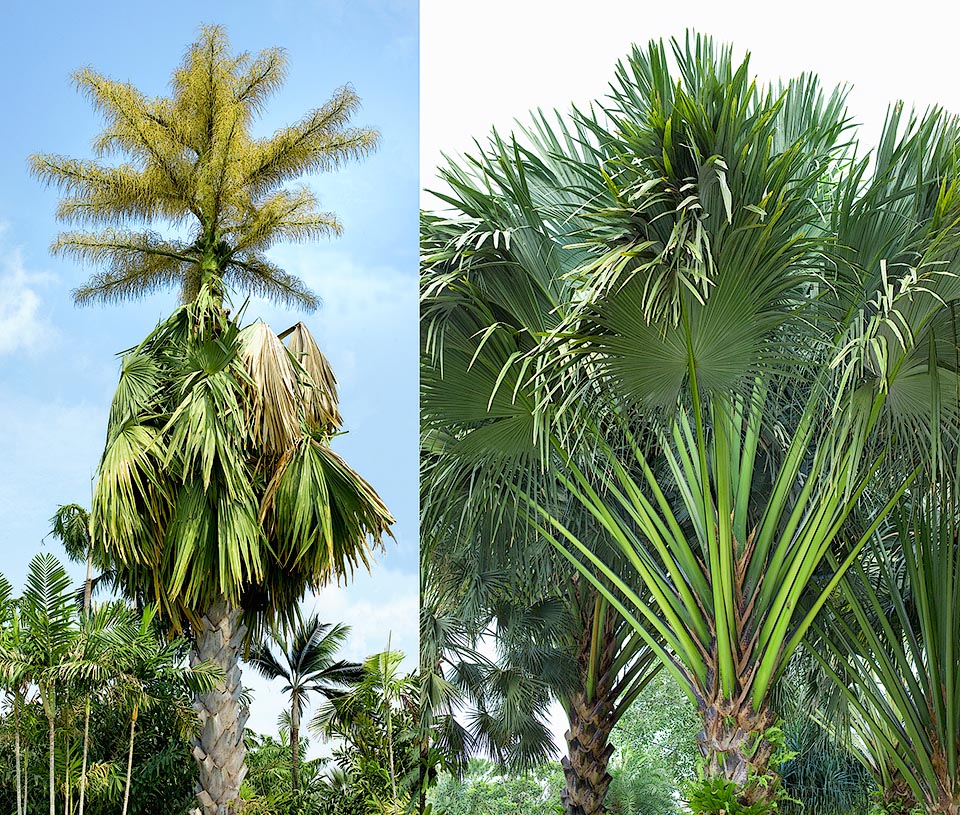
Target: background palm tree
(49,614)
(497,274)
(308,666)
(9,681)
(375,719)
(218,496)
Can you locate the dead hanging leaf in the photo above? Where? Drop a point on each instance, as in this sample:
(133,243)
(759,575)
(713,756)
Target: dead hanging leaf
(319,385)
(277,403)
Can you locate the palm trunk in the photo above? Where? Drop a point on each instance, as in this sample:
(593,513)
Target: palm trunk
(219,749)
(88,585)
(126,788)
(16,747)
(295,744)
(393,770)
(86,752)
(424,770)
(67,798)
(734,748)
(588,754)
(590,711)
(26,786)
(52,744)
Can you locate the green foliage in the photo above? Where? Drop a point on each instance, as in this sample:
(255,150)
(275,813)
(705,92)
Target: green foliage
(641,785)
(661,728)
(721,796)
(374,725)
(268,787)
(822,777)
(487,790)
(56,664)
(691,342)
(218,480)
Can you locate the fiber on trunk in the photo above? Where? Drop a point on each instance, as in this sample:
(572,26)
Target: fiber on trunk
(734,748)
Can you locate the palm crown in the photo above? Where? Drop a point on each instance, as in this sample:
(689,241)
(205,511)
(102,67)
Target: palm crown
(192,162)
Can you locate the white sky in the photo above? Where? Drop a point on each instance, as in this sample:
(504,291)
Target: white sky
(485,64)
(488,63)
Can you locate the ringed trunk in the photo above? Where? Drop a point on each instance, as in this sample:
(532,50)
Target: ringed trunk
(86,752)
(734,747)
(295,744)
(26,786)
(126,788)
(219,748)
(51,734)
(16,737)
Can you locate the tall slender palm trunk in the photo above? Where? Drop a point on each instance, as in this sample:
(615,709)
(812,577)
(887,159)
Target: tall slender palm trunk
(86,753)
(67,797)
(16,748)
(26,786)
(126,788)
(87,600)
(295,743)
(51,734)
(219,748)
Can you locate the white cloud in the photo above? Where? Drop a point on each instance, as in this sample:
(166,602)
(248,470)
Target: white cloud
(23,326)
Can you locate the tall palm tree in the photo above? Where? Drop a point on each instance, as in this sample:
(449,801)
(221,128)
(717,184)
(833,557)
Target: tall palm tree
(308,666)
(91,666)
(751,326)
(218,495)
(10,643)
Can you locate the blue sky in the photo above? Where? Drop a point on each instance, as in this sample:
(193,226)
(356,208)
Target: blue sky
(58,363)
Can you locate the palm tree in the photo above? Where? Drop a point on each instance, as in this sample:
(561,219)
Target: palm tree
(751,325)
(218,495)
(494,278)
(308,667)
(91,665)
(70,525)
(374,720)
(49,617)
(889,643)
(9,645)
